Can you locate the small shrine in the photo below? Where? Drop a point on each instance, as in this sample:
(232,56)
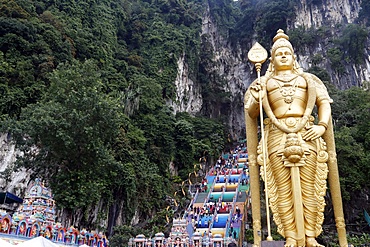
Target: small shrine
(38,205)
(36,217)
(179,236)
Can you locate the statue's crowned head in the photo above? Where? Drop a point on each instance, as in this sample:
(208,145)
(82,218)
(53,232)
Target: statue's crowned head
(281,40)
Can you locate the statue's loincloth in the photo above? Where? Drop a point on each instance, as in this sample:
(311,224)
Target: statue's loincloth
(285,151)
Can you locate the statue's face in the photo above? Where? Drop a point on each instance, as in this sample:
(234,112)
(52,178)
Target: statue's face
(283,59)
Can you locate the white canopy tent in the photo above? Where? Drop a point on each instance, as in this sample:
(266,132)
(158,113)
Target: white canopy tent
(4,243)
(37,242)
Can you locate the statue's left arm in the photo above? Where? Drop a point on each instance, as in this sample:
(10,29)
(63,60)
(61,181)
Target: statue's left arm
(324,111)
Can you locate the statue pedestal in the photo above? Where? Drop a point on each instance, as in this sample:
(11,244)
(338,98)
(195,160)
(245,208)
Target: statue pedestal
(272,243)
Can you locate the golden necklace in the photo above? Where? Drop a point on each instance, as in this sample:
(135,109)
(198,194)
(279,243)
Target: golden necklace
(287,86)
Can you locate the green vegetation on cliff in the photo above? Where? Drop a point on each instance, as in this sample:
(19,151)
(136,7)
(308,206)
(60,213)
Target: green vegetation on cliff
(87,82)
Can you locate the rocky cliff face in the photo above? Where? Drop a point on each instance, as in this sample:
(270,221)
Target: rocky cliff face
(229,64)
(17,181)
(232,65)
(331,14)
(188,96)
(326,12)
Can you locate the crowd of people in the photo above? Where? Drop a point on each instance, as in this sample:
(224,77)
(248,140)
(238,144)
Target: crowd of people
(225,166)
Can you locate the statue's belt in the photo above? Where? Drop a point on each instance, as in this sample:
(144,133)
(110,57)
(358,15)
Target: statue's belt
(289,122)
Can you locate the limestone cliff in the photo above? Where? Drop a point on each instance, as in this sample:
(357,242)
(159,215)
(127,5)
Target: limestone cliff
(232,66)
(332,14)
(328,12)
(18,181)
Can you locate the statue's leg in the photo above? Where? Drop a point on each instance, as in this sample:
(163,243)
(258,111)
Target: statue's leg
(308,194)
(284,217)
(311,242)
(290,242)
(313,183)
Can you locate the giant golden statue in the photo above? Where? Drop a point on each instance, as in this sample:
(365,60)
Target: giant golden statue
(297,152)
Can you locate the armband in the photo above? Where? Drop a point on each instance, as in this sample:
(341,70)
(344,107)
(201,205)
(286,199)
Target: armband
(321,123)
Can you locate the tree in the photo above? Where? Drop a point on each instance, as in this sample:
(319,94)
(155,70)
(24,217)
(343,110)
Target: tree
(67,136)
(353,42)
(272,15)
(352,132)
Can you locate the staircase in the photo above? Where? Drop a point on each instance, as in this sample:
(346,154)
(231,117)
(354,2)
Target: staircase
(218,213)
(201,197)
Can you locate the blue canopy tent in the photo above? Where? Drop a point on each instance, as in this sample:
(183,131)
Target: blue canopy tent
(7,198)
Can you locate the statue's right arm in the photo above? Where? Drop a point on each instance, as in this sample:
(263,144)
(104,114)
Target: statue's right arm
(253,110)
(252,98)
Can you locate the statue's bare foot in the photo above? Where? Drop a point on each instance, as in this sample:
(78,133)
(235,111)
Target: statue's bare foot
(311,242)
(290,242)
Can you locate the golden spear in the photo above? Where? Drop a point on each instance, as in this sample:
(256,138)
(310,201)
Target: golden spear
(258,55)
